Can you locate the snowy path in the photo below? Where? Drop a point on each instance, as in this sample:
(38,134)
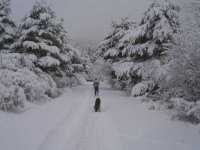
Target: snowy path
(69,123)
(82,129)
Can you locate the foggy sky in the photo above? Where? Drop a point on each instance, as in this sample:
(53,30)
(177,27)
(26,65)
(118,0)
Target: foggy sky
(87,19)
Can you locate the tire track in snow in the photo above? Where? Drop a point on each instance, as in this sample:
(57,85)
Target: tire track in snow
(52,134)
(56,139)
(97,132)
(105,133)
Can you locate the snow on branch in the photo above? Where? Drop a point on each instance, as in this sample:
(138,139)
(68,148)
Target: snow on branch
(122,68)
(48,61)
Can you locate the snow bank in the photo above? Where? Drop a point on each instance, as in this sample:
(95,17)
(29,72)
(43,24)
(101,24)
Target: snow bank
(186,110)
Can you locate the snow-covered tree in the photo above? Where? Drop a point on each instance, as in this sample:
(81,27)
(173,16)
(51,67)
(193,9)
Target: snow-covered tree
(41,33)
(7,26)
(111,47)
(193,8)
(192,21)
(185,58)
(84,50)
(111,50)
(137,56)
(181,85)
(185,69)
(157,27)
(20,78)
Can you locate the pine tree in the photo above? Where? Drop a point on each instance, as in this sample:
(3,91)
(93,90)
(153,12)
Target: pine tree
(41,33)
(138,56)
(83,60)
(111,47)
(7,26)
(111,50)
(156,29)
(148,47)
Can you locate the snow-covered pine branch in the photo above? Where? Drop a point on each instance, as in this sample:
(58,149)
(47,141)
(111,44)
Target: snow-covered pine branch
(7,26)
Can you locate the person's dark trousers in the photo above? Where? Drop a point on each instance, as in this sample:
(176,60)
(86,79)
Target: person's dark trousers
(96,91)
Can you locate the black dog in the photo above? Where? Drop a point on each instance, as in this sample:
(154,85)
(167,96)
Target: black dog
(97,105)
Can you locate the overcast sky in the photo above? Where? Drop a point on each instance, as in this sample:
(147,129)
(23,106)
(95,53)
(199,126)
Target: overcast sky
(87,19)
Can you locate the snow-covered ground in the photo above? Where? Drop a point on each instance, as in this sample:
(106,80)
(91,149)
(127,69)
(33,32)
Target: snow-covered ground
(69,123)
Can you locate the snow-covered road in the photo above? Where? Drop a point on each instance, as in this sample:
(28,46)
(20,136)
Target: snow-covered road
(81,128)
(69,123)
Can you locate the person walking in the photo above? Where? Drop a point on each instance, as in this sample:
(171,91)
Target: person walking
(96,87)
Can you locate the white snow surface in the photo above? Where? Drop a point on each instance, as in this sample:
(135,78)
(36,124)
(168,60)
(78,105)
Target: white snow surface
(69,123)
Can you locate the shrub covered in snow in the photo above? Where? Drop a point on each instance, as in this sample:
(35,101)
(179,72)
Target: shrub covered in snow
(20,81)
(185,110)
(11,96)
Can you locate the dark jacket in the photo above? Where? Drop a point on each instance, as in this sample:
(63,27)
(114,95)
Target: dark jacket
(96,84)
